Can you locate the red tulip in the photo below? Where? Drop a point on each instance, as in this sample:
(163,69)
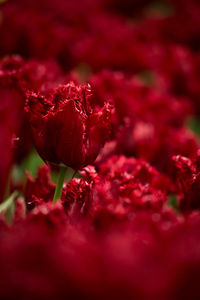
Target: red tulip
(66,129)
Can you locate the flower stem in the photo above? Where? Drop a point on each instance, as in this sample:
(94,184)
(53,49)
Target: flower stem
(59,186)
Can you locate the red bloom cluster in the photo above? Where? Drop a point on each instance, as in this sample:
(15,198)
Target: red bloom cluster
(111,90)
(188,176)
(16,76)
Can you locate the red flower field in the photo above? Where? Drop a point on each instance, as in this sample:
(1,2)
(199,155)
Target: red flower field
(100,149)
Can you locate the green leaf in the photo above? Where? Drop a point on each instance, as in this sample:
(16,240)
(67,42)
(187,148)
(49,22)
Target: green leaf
(147,77)
(193,123)
(7,207)
(30,163)
(162,8)
(173,201)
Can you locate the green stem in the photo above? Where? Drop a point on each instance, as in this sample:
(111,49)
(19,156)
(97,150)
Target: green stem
(59,186)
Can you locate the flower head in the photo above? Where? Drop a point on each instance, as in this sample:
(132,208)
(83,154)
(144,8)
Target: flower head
(66,129)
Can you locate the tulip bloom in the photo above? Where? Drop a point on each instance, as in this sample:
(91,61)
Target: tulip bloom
(66,129)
